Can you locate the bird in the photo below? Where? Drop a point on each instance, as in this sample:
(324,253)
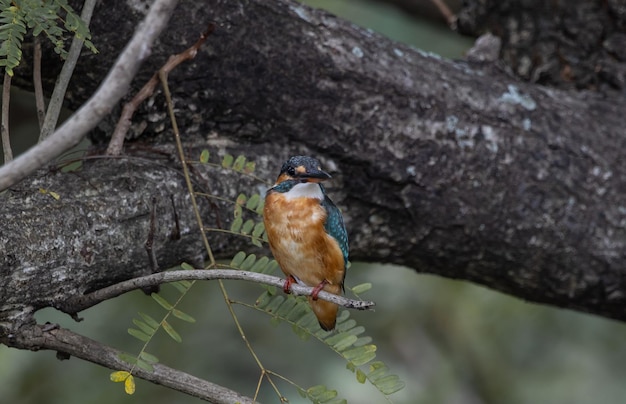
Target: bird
(307,234)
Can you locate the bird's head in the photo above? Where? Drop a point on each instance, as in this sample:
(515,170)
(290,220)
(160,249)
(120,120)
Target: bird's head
(302,169)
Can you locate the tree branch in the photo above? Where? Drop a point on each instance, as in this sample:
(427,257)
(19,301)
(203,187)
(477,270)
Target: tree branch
(99,105)
(56,100)
(38,337)
(449,167)
(80,303)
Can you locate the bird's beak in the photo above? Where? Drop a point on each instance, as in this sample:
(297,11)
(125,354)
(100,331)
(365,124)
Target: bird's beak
(316,175)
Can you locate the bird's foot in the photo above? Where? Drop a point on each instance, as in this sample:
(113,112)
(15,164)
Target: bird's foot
(288,282)
(316,290)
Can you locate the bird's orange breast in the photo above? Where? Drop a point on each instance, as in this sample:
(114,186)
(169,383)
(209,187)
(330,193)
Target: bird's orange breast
(299,242)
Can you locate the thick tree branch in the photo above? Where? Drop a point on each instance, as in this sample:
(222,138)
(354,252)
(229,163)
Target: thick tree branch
(449,167)
(38,337)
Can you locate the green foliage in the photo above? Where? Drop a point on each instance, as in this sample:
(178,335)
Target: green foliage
(239,164)
(251,228)
(347,340)
(147,327)
(54,19)
(320,394)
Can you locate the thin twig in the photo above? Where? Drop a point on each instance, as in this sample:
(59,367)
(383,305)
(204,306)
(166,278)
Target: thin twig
(162,74)
(37,337)
(117,139)
(80,303)
(4,125)
(58,94)
(114,86)
(40,102)
(446,12)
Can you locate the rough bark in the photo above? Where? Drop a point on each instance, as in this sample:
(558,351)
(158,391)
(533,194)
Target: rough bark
(565,44)
(448,167)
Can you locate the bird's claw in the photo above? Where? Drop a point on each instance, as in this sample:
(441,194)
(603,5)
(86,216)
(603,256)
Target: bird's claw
(288,282)
(316,290)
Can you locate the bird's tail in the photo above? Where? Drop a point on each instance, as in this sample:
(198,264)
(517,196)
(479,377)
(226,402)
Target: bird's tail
(326,312)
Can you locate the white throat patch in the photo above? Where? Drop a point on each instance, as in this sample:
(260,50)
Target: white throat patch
(305,190)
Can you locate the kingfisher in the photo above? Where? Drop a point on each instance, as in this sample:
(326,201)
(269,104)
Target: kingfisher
(307,234)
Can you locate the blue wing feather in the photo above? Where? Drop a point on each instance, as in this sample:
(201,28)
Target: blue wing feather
(335,227)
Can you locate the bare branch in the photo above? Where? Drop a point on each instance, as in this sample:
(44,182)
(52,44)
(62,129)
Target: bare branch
(37,337)
(114,86)
(79,303)
(56,101)
(39,98)
(117,139)
(446,12)
(4,129)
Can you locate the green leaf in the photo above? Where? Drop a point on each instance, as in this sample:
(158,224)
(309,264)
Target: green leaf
(253,202)
(361,355)
(238,259)
(316,390)
(171,331)
(286,307)
(128,358)
(179,286)
(149,320)
(241,199)
(183,316)
(237,212)
(256,242)
(260,264)
(148,357)
(239,163)
(263,300)
(161,301)
(274,304)
(236,225)
(361,288)
(390,384)
(142,364)
(247,227)
(204,156)
(360,376)
(259,208)
(248,262)
(140,335)
(144,327)
(259,228)
(250,167)
(345,343)
(346,325)
(227,162)
(378,372)
(186,266)
(362,341)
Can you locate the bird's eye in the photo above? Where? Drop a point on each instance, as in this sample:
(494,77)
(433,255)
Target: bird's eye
(291,171)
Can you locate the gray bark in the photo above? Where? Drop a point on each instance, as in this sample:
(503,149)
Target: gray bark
(449,167)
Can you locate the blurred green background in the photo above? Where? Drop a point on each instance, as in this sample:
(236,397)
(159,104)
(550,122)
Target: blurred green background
(451,342)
